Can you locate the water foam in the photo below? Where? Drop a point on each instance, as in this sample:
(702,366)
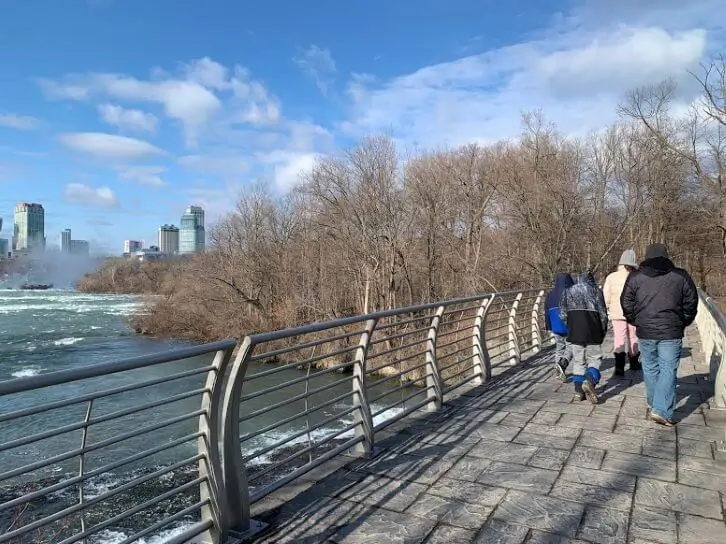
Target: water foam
(316,435)
(26,372)
(110,536)
(68,341)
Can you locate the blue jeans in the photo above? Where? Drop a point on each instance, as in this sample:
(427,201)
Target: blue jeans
(660,360)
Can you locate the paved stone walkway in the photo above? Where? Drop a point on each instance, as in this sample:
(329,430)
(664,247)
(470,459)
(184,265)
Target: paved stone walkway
(515,461)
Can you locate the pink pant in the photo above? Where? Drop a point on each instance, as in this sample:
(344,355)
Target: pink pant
(624,335)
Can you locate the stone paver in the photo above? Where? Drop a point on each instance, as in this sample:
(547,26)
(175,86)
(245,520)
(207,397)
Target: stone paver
(517,461)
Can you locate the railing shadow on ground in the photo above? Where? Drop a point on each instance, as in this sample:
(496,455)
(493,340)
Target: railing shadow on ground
(321,511)
(340,505)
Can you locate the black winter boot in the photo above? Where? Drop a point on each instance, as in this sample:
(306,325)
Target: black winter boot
(620,364)
(634,361)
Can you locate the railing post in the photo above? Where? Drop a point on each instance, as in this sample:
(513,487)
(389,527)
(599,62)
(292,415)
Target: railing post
(434,389)
(364,420)
(210,466)
(236,487)
(513,340)
(480,353)
(536,333)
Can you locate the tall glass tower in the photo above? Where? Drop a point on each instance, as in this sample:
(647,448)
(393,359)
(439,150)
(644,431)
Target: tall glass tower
(29,228)
(191,231)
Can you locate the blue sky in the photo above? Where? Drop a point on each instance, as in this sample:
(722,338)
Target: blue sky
(117,114)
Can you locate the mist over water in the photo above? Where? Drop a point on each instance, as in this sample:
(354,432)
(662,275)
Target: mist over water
(62,270)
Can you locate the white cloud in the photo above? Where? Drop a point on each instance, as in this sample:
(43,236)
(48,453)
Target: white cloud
(85,195)
(318,64)
(127,119)
(20,122)
(203,93)
(109,146)
(289,166)
(576,78)
(143,175)
(629,57)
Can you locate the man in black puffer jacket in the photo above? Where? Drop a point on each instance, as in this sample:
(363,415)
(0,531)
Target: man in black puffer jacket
(661,301)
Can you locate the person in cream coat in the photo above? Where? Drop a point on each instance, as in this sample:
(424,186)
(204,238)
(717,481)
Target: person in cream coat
(624,335)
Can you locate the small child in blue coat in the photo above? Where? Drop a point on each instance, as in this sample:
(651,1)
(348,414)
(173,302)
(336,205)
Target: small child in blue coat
(553,322)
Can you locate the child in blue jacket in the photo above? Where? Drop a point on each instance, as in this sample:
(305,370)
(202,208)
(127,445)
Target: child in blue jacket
(553,322)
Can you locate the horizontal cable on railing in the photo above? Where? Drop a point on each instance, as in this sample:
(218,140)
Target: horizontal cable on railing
(382,326)
(61,377)
(396,390)
(290,400)
(287,439)
(293,417)
(397,336)
(98,445)
(466,309)
(306,345)
(135,510)
(262,492)
(297,364)
(98,471)
(168,520)
(18,442)
(99,498)
(397,348)
(396,375)
(398,360)
(295,381)
(100,394)
(303,451)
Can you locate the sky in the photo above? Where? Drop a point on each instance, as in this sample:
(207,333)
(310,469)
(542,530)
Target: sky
(118,114)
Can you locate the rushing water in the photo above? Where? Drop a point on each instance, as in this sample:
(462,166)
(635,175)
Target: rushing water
(44,331)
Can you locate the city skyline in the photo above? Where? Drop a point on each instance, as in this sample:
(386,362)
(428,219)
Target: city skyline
(61,235)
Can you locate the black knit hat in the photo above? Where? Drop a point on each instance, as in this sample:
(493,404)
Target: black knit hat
(656,250)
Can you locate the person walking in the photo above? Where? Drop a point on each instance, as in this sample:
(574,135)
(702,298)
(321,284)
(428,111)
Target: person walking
(661,300)
(582,307)
(624,334)
(553,323)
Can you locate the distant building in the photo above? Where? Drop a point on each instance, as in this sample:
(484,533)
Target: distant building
(4,248)
(80,248)
(168,239)
(65,241)
(191,232)
(132,246)
(29,228)
(150,254)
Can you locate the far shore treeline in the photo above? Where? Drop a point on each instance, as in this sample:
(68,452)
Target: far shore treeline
(374,227)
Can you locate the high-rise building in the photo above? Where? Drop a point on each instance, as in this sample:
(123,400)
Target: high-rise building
(29,228)
(4,248)
(191,233)
(168,239)
(65,241)
(80,248)
(132,246)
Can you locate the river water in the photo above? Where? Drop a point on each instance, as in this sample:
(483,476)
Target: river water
(44,331)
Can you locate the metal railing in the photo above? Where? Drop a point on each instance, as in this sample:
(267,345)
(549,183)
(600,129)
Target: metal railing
(238,430)
(711,325)
(124,438)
